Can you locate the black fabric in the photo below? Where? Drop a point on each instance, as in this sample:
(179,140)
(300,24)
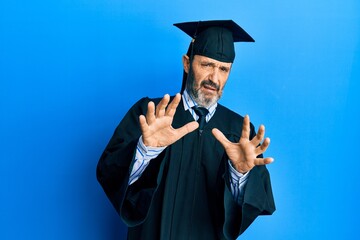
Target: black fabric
(214,39)
(193,29)
(216,43)
(201,112)
(184,193)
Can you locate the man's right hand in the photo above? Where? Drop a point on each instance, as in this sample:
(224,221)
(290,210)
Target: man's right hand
(156,125)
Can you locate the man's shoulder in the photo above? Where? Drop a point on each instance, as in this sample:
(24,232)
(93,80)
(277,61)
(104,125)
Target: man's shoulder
(229,113)
(145,100)
(152,99)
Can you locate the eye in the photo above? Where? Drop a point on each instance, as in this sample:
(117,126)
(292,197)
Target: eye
(206,64)
(224,69)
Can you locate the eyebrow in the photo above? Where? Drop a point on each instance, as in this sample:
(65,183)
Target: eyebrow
(225,68)
(214,64)
(205,62)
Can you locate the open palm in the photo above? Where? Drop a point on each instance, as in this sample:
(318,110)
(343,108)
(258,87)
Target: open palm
(156,125)
(243,154)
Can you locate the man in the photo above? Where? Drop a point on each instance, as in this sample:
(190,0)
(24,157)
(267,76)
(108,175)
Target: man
(171,177)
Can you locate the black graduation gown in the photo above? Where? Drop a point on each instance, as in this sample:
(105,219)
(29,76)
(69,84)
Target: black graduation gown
(184,193)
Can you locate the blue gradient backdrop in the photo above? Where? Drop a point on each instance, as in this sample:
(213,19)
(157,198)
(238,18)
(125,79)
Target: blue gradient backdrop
(69,70)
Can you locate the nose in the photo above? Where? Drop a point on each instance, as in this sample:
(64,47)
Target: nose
(214,75)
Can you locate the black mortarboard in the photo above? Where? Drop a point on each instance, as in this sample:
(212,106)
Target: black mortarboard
(214,39)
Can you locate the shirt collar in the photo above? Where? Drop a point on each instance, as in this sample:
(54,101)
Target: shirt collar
(189,102)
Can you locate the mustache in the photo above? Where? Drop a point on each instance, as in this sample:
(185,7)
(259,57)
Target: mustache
(210,83)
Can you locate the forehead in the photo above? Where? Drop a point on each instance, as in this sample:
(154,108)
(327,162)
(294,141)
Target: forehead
(211,60)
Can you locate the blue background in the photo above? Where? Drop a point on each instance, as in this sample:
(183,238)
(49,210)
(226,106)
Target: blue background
(70,69)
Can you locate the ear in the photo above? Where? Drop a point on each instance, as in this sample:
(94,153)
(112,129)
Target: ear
(186,63)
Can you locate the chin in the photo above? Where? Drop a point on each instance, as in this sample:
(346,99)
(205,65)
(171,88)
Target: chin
(206,101)
(202,98)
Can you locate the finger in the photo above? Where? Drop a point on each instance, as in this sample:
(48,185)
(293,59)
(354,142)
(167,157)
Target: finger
(263,161)
(150,114)
(265,144)
(259,136)
(220,137)
(263,147)
(171,109)
(187,128)
(143,124)
(246,128)
(160,108)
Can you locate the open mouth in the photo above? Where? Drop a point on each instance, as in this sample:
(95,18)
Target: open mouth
(209,87)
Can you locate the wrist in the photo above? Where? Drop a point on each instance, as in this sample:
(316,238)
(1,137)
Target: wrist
(146,147)
(238,168)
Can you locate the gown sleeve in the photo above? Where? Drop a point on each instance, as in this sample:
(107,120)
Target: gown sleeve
(114,166)
(258,200)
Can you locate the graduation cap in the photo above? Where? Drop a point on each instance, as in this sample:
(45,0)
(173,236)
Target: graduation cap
(214,39)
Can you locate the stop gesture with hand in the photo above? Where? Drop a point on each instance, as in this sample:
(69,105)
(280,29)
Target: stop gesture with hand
(156,125)
(243,155)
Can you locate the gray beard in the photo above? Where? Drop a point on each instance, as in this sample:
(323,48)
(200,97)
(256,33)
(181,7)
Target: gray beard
(197,95)
(201,99)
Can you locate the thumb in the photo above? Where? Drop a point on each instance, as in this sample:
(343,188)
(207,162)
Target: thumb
(187,128)
(220,137)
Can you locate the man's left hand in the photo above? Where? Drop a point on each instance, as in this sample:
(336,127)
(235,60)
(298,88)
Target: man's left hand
(243,155)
